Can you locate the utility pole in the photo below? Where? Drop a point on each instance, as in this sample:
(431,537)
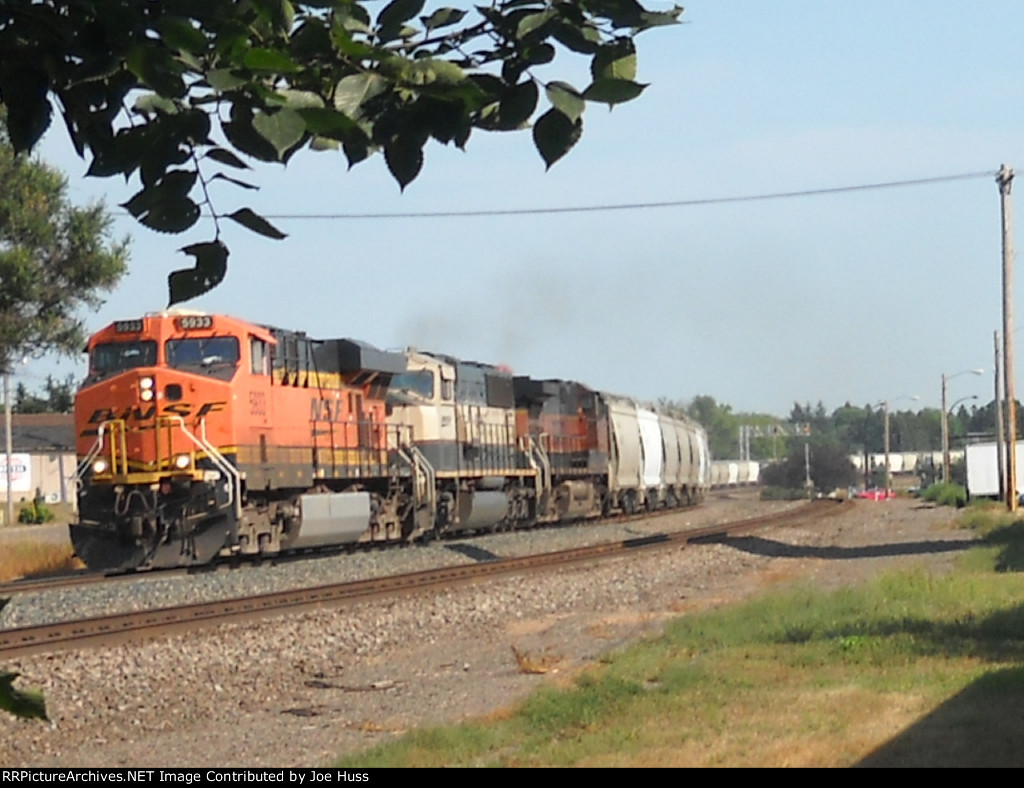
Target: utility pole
(945,434)
(1005,180)
(9,519)
(1000,452)
(888,472)
(807,468)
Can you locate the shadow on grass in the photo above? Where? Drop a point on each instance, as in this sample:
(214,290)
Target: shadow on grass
(982,726)
(1011,540)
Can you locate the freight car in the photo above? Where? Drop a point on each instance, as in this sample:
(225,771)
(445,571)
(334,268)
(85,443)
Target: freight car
(203,435)
(734,473)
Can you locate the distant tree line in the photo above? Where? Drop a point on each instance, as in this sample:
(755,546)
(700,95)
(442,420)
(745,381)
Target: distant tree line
(55,397)
(849,429)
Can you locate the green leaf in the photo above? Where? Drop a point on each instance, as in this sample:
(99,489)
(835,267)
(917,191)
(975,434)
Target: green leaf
(171,215)
(328,122)
(532,22)
(613,91)
(554,135)
(431,70)
(357,149)
(615,61)
(253,221)
(517,106)
(24,90)
(300,99)
(346,21)
(222,79)
(223,156)
(442,17)
(585,39)
(166,206)
(219,176)
(210,268)
(178,33)
(149,103)
(269,60)
(354,90)
(283,129)
(157,69)
(285,16)
(123,154)
(28,704)
(398,11)
(566,99)
(324,143)
(404,157)
(244,137)
(649,19)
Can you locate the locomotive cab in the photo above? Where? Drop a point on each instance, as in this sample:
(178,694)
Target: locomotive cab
(155,428)
(460,417)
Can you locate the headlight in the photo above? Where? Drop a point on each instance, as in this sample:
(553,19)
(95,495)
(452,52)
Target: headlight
(147,395)
(145,383)
(182,461)
(100,466)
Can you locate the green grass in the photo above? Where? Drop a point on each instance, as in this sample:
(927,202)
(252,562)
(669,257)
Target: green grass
(946,494)
(909,669)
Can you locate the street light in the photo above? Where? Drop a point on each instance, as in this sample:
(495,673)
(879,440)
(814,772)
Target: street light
(947,473)
(945,417)
(885,404)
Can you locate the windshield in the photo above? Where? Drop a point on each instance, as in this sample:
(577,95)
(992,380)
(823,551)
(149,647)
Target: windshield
(205,352)
(418,384)
(113,357)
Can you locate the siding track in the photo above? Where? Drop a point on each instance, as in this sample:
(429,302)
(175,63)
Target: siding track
(107,630)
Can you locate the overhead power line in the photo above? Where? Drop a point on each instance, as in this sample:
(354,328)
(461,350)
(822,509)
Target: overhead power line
(640,205)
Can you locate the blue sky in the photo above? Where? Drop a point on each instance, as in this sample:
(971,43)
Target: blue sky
(857,297)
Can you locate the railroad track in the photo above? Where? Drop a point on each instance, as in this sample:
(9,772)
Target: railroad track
(85,577)
(107,630)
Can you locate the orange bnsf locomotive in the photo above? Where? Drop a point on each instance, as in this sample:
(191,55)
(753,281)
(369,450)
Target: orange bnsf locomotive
(203,435)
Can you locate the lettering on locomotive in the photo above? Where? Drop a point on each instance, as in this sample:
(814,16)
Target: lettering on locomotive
(326,410)
(136,413)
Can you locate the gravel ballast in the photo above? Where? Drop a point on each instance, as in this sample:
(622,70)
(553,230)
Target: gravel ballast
(300,690)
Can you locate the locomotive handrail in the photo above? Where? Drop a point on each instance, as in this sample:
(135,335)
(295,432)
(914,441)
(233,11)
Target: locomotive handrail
(423,471)
(539,460)
(218,459)
(96,448)
(117,428)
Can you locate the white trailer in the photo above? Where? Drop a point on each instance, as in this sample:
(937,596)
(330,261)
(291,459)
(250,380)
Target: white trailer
(983,470)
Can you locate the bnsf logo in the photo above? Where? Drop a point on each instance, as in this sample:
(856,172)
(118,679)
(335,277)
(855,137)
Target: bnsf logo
(138,413)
